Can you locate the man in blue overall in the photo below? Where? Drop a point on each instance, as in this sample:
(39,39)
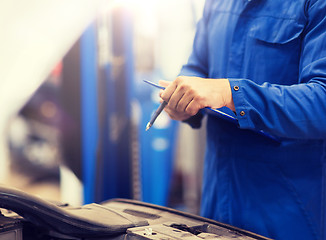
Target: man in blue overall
(264,62)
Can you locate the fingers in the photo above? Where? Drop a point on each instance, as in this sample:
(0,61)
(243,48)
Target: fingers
(192,108)
(169,91)
(187,95)
(164,83)
(182,103)
(176,115)
(180,96)
(176,97)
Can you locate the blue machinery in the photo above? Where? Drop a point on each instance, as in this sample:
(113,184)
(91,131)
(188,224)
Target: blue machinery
(120,159)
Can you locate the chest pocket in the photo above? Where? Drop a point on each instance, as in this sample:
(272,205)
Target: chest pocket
(274,30)
(275,44)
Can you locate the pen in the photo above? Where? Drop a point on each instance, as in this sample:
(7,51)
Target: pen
(160,108)
(154,84)
(155,115)
(219,112)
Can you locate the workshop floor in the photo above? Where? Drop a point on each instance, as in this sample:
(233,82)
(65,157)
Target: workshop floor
(48,189)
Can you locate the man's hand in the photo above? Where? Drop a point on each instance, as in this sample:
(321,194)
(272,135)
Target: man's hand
(187,95)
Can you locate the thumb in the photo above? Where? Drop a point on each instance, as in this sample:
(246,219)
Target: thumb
(164,83)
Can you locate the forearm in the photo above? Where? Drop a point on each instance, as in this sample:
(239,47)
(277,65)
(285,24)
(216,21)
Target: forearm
(296,111)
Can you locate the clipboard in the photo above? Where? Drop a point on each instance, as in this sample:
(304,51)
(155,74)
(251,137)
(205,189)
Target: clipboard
(224,113)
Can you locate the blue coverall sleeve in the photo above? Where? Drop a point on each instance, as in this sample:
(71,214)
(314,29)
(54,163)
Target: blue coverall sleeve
(290,111)
(296,111)
(197,64)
